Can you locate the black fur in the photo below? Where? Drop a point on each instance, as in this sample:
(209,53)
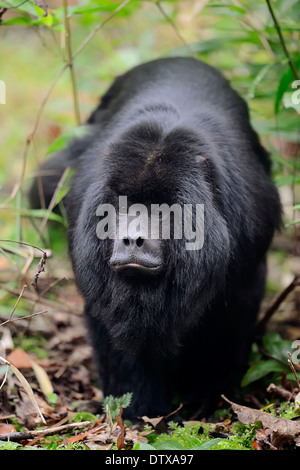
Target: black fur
(185,331)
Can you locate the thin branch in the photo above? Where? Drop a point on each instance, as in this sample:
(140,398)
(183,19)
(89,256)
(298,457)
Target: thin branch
(23,243)
(17,303)
(26,435)
(290,362)
(282,42)
(176,30)
(273,308)
(70,62)
(12,320)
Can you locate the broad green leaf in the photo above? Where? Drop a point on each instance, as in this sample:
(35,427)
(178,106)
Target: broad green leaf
(14,21)
(294,222)
(284,85)
(168,445)
(207,445)
(66,184)
(261,369)
(286,180)
(61,142)
(276,346)
(36,213)
(143,446)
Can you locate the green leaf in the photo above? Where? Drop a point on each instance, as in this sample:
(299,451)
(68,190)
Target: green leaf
(276,346)
(293,222)
(208,444)
(66,184)
(287,180)
(61,142)
(9,445)
(143,446)
(114,403)
(125,399)
(36,213)
(168,445)
(18,20)
(261,369)
(284,85)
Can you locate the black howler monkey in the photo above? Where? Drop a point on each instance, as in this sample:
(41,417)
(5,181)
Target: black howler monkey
(167,319)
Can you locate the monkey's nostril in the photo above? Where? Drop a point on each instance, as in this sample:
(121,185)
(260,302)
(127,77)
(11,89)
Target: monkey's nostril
(140,242)
(126,241)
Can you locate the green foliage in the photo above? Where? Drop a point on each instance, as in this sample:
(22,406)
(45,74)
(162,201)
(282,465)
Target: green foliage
(274,360)
(9,445)
(286,410)
(57,442)
(35,345)
(52,399)
(196,437)
(83,416)
(114,403)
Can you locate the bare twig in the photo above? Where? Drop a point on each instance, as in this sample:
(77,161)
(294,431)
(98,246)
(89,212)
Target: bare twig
(40,268)
(280,392)
(12,320)
(290,362)
(17,303)
(23,243)
(272,309)
(282,42)
(26,435)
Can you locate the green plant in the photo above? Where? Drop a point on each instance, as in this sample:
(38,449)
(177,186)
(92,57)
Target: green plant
(114,403)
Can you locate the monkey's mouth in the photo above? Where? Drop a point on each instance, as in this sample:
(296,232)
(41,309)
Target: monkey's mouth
(132,268)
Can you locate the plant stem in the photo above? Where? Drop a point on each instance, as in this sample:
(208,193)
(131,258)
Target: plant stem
(282,42)
(70,62)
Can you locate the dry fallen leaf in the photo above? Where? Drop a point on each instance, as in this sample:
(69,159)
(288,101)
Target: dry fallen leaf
(19,359)
(26,387)
(43,379)
(159,423)
(280,431)
(6,428)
